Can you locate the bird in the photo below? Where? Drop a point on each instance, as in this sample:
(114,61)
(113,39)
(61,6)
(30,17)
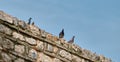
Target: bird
(29,20)
(72,40)
(61,34)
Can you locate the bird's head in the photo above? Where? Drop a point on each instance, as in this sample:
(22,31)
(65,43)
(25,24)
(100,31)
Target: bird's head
(73,36)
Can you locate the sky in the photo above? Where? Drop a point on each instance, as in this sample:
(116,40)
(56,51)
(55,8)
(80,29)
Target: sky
(95,23)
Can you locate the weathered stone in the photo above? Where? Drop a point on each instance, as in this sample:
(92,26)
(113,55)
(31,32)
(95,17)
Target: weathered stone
(5,30)
(6,17)
(85,53)
(12,56)
(49,48)
(8,31)
(1,41)
(34,30)
(8,44)
(20,49)
(31,41)
(2,28)
(66,45)
(83,60)
(87,61)
(55,38)
(19,60)
(1,15)
(65,54)
(57,60)
(33,54)
(15,21)
(22,24)
(76,59)
(58,42)
(55,49)
(1,48)
(62,41)
(6,57)
(75,48)
(97,58)
(49,36)
(44,58)
(40,45)
(18,36)
(93,57)
(43,33)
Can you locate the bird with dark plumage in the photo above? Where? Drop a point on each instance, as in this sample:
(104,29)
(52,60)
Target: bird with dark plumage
(29,20)
(61,34)
(72,40)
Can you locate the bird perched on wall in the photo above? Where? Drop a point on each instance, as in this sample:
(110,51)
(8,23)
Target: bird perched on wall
(29,20)
(61,34)
(72,40)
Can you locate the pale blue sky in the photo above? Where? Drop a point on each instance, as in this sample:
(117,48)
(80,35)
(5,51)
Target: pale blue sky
(95,23)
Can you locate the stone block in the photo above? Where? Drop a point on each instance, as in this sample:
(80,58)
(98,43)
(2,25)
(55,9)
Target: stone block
(1,47)
(44,58)
(6,57)
(58,42)
(13,57)
(6,17)
(1,40)
(49,48)
(76,59)
(96,58)
(49,36)
(31,41)
(15,21)
(40,45)
(19,60)
(55,38)
(35,30)
(65,54)
(22,24)
(75,48)
(20,49)
(1,15)
(57,60)
(43,34)
(2,28)
(33,54)
(93,56)
(7,44)
(62,41)
(18,36)
(66,45)
(5,29)
(85,53)
(55,49)
(83,60)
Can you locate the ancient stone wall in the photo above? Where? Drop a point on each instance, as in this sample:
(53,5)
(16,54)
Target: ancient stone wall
(20,42)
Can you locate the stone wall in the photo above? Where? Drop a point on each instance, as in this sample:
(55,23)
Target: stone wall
(20,42)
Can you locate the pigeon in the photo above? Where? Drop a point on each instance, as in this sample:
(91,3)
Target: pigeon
(61,34)
(72,40)
(29,21)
